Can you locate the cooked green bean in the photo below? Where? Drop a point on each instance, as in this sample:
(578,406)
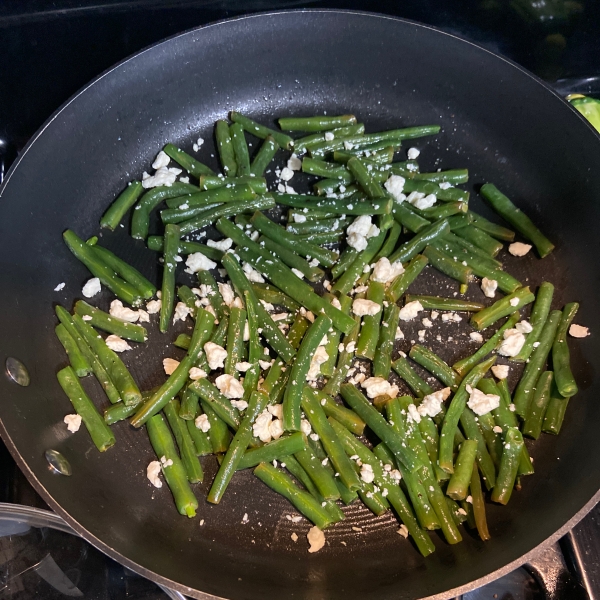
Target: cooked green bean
(225,148)
(215,298)
(264,156)
(435,365)
(189,163)
(439,303)
(172,237)
(445,264)
(279,449)
(322,478)
(539,315)
(111,324)
(99,431)
(470,426)
(479,505)
(408,374)
(264,291)
(321,226)
(448,209)
(124,201)
(78,360)
(431,187)
(501,308)
(479,238)
(235,339)
(513,446)
(458,486)
(418,243)
(201,440)
(292,260)
(219,434)
(317,123)
(189,404)
(453,176)
(301,144)
(532,426)
(517,218)
(369,331)
(260,131)
(493,440)
(382,361)
(364,177)
(157,243)
(403,281)
(240,149)
(497,231)
(334,337)
(561,358)
(258,184)
(204,200)
(341,207)
(332,387)
(218,402)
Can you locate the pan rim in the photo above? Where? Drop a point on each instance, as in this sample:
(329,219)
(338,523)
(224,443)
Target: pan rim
(102,546)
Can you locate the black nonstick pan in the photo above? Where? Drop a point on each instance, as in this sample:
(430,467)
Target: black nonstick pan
(499,121)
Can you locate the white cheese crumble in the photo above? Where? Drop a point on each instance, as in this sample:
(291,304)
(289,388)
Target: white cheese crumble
(215,355)
(514,302)
(384,271)
(366,473)
(162,160)
(294,163)
(489,287)
(524,327)
(451,317)
(578,331)
(153,472)
(242,366)
(226,292)
(122,312)
(117,344)
(260,427)
(239,404)
(294,537)
(497,429)
(410,310)
(163,176)
(198,262)
(251,274)
(476,336)
(286,174)
(399,335)
(329,136)
(512,343)
(222,245)
(229,386)
(480,403)
(264,364)
(299,218)
(318,358)
(169,365)
(73,422)
(305,427)
(403,531)
(378,386)
(91,288)
(60,287)
(202,423)
(316,539)
(395,186)
(196,373)
(413,153)
(359,231)
(519,249)
(426,202)
(413,414)
(182,311)
(198,144)
(431,405)
(297,273)
(362,307)
(153,306)
(500,371)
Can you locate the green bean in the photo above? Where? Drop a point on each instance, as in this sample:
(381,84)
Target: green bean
(347,280)
(382,361)
(317,123)
(407,374)
(301,144)
(533,369)
(539,315)
(264,291)
(344,416)
(188,297)
(341,207)
(555,413)
(319,475)
(332,387)
(119,412)
(270,331)
(303,501)
(185,205)
(373,500)
(218,402)
(334,337)
(449,209)
(291,259)
(210,216)
(431,439)
(493,440)
(280,235)
(258,184)
(435,365)
(260,131)
(98,267)
(111,324)
(390,241)
(189,405)
(168,390)
(496,231)
(308,215)
(320,239)
(235,339)
(182,341)
(458,221)
(513,446)
(279,449)
(518,219)
(369,331)
(117,371)
(189,163)
(225,148)
(157,243)
(101,435)
(431,187)
(78,360)
(465,364)
(323,168)
(376,158)
(480,239)
(532,426)
(255,351)
(174,473)
(320,226)
(201,441)
(403,281)
(444,263)
(459,482)
(453,176)
(299,370)
(184,441)
(479,505)
(219,335)
(418,243)
(501,308)
(408,219)
(459,515)
(215,298)
(561,359)
(140,220)
(438,303)
(237,447)
(472,431)
(365,179)
(240,149)
(380,426)
(264,156)
(172,236)
(124,201)
(455,410)
(219,432)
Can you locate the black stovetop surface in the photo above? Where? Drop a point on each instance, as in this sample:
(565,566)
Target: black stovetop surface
(49,50)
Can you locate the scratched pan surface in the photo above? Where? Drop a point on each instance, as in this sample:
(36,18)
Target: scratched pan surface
(497,120)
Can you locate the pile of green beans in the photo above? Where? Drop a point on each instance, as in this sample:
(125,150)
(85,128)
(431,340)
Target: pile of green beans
(284,311)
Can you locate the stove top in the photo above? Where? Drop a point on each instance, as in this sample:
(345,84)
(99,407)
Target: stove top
(52,49)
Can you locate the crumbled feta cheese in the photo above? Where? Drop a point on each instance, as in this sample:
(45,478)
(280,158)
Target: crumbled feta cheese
(182,311)
(215,355)
(489,287)
(399,334)
(86,318)
(117,344)
(316,539)
(578,331)
(153,306)
(152,473)
(294,537)
(359,231)
(378,386)
(305,427)
(286,174)
(434,315)
(222,245)
(162,160)
(239,404)
(229,386)
(362,307)
(227,294)
(266,305)
(395,185)
(143,316)
(336,303)
(519,249)
(169,365)
(497,429)
(122,312)
(299,218)
(500,371)
(60,287)
(410,310)
(413,413)
(384,271)
(348,145)
(366,473)
(318,358)
(524,327)
(427,322)
(198,262)
(297,273)
(245,518)
(403,531)
(426,202)
(246,331)
(91,288)
(450,317)
(252,275)
(202,423)
(242,366)
(197,373)
(163,176)
(476,337)
(512,343)
(294,163)
(73,422)
(413,153)
(431,405)
(480,403)
(514,302)
(276,428)
(260,427)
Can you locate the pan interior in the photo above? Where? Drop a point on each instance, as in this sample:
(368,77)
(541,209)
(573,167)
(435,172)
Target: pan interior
(496,120)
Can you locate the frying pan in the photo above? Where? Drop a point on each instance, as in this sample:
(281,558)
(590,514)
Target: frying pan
(499,121)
